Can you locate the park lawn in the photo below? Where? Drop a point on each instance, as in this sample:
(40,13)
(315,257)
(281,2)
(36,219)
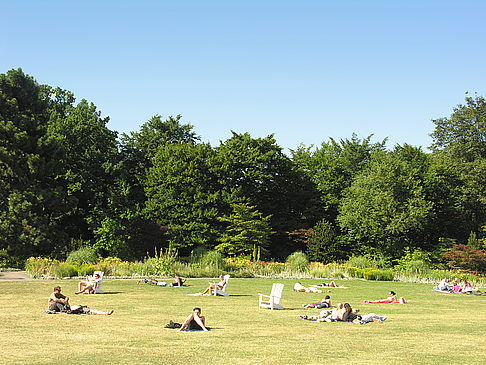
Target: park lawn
(431,328)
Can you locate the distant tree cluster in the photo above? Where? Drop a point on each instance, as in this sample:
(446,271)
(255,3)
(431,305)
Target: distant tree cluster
(68,181)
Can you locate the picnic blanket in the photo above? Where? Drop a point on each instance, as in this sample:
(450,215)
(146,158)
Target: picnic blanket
(477,293)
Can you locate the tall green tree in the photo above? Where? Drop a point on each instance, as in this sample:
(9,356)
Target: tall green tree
(31,202)
(257,171)
(334,165)
(185,192)
(385,210)
(461,141)
(247,232)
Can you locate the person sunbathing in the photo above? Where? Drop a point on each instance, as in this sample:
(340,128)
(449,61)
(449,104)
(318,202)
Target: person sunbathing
(331,284)
(213,285)
(325,303)
(88,284)
(83,309)
(299,287)
(392,299)
(348,314)
(371,317)
(194,321)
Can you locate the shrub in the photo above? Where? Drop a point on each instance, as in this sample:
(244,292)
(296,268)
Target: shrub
(63,270)
(360,262)
(212,260)
(84,255)
(7,261)
(298,261)
(466,258)
(39,266)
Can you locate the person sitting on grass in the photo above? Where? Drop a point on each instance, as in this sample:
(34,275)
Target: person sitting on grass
(444,285)
(178,280)
(83,309)
(349,315)
(213,285)
(299,287)
(58,302)
(325,303)
(392,299)
(88,284)
(194,321)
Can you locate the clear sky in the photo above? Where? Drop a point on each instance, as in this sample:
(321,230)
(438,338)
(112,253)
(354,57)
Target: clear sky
(303,70)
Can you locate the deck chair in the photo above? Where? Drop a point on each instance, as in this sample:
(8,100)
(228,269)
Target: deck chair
(273,301)
(97,287)
(221,291)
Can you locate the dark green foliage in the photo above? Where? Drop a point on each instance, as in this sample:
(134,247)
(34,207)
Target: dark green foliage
(385,209)
(323,245)
(247,231)
(184,192)
(257,171)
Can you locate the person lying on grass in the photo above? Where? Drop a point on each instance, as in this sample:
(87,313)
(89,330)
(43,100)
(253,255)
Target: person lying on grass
(325,303)
(58,302)
(299,287)
(88,284)
(332,284)
(84,309)
(213,285)
(392,299)
(194,321)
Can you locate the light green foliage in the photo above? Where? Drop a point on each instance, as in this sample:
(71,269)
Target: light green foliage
(417,262)
(298,260)
(246,231)
(84,255)
(212,260)
(334,165)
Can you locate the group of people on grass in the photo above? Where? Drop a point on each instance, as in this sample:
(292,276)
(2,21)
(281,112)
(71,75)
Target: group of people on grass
(58,302)
(344,312)
(456,286)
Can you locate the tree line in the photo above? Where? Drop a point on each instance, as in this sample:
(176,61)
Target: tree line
(68,181)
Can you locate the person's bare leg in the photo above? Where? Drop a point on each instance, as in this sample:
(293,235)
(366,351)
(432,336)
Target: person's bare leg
(200,321)
(186,322)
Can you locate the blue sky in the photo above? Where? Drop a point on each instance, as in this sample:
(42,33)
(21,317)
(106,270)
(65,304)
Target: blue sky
(303,70)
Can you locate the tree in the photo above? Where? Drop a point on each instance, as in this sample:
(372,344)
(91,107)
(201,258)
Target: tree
(333,166)
(184,191)
(324,245)
(31,202)
(256,171)
(461,141)
(384,210)
(247,232)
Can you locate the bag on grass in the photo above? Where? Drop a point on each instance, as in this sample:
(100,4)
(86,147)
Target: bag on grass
(173,325)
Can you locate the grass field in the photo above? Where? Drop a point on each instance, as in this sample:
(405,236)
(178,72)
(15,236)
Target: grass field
(432,328)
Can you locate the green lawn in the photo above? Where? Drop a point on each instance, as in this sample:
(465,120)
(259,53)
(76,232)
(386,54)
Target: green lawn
(431,328)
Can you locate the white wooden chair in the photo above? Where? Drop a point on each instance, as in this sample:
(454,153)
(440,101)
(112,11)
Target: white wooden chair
(273,301)
(221,291)
(97,286)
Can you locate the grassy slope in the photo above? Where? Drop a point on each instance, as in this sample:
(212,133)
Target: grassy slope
(431,328)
